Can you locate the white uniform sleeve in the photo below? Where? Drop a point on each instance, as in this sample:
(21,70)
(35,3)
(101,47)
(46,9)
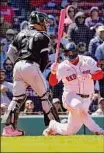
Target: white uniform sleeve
(93,65)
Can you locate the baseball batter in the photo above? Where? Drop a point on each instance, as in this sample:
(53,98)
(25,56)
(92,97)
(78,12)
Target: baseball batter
(29,52)
(77,74)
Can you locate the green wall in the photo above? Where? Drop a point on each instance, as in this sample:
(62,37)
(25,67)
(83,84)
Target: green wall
(34,125)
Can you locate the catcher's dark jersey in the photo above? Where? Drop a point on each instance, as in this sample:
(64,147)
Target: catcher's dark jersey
(33,46)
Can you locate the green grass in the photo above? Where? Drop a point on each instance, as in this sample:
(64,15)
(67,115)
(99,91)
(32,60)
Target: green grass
(76,143)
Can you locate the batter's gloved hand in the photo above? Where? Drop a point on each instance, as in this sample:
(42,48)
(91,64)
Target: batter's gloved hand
(54,67)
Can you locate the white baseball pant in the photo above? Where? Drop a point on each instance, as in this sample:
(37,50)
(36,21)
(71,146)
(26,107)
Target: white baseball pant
(78,115)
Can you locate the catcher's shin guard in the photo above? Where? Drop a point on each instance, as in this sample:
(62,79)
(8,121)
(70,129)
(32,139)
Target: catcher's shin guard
(11,115)
(50,112)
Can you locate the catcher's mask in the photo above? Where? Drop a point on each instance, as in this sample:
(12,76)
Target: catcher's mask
(39,18)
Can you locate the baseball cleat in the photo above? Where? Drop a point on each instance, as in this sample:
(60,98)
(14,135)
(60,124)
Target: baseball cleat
(48,132)
(9,131)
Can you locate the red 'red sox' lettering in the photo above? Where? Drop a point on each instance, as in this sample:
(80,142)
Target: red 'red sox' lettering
(71,77)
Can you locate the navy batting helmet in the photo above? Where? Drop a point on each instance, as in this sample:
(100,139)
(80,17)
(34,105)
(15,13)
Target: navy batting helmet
(71,46)
(72,50)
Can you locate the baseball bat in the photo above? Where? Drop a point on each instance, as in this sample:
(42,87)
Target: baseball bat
(60,32)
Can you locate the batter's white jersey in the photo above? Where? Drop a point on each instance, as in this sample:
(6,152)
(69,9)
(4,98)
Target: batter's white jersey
(68,73)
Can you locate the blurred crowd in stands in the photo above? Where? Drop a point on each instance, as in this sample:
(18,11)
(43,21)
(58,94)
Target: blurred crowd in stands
(84,25)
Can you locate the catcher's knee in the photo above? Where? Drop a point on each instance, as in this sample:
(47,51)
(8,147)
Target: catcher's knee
(17,102)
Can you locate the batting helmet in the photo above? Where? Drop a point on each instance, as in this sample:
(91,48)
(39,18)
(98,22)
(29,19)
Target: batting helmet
(72,50)
(71,46)
(38,17)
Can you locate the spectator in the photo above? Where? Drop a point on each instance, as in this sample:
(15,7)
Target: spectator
(7,11)
(51,30)
(93,19)
(34,97)
(75,4)
(4,26)
(102,13)
(70,16)
(94,105)
(57,90)
(52,43)
(10,35)
(8,66)
(97,87)
(57,22)
(16,24)
(64,41)
(3,108)
(78,31)
(64,3)
(51,5)
(52,55)
(99,54)
(101,82)
(100,110)
(5,44)
(2,53)
(24,25)
(58,105)
(81,47)
(5,88)
(29,107)
(96,41)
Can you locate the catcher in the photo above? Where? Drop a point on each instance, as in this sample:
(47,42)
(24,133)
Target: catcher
(29,53)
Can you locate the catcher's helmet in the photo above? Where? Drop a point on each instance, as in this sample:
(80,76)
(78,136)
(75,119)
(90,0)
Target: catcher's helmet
(38,17)
(72,50)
